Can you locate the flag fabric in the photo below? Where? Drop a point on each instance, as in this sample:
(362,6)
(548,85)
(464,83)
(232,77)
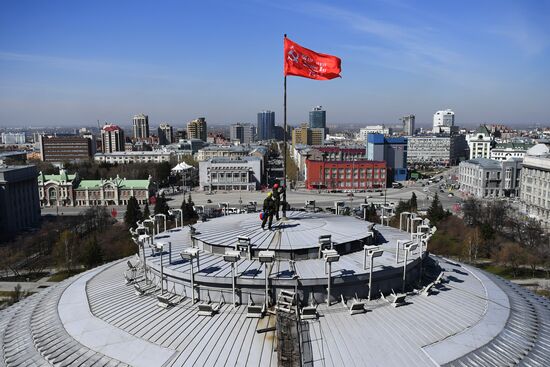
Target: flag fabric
(300,61)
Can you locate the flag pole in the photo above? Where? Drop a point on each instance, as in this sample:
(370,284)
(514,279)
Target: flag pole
(284,148)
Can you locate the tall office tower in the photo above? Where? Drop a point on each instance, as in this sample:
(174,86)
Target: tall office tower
(318,118)
(244,133)
(112,139)
(196,129)
(408,125)
(443,122)
(141,126)
(166,134)
(266,124)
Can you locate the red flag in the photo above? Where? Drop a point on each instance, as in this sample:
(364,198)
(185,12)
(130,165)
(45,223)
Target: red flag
(304,62)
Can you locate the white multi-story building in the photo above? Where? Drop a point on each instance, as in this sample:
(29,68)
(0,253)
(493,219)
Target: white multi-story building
(446,150)
(241,174)
(480,143)
(483,178)
(535,183)
(13,138)
(443,122)
(222,151)
(373,129)
(155,156)
(503,151)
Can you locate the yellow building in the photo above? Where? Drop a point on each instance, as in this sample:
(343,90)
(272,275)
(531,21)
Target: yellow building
(308,136)
(196,129)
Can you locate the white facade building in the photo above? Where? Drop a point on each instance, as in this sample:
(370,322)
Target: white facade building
(13,138)
(504,151)
(443,122)
(535,183)
(240,174)
(155,156)
(446,150)
(219,151)
(480,143)
(373,129)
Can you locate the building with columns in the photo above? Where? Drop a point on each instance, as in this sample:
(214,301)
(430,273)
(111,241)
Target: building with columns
(57,190)
(69,190)
(237,174)
(115,191)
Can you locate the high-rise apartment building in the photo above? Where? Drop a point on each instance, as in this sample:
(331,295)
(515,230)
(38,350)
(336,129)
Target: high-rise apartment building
(196,129)
(266,125)
(443,122)
(318,118)
(112,139)
(244,133)
(65,148)
(408,124)
(166,134)
(141,126)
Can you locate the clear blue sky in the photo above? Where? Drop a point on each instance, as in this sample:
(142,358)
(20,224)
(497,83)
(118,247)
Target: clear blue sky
(75,62)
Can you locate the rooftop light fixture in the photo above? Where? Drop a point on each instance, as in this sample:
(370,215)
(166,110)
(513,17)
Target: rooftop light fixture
(243,244)
(266,257)
(233,256)
(190,254)
(408,248)
(330,256)
(408,214)
(172,212)
(371,252)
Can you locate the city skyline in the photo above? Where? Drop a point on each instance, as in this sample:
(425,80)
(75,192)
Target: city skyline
(90,62)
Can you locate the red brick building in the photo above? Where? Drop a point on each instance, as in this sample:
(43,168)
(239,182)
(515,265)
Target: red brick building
(345,175)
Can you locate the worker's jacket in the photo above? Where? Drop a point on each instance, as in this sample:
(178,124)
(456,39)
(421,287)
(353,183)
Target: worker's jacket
(269,205)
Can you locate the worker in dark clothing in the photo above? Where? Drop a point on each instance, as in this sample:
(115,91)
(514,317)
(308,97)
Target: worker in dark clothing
(269,210)
(277,199)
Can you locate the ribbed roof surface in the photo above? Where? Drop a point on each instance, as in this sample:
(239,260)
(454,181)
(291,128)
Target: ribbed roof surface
(33,333)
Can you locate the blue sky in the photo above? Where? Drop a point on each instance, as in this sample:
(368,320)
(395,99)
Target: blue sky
(76,62)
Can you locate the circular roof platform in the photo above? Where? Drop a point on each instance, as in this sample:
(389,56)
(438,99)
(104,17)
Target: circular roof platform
(296,237)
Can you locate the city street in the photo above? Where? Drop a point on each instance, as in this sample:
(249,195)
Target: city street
(238,199)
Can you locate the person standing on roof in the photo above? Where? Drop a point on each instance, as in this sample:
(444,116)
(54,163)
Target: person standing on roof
(269,210)
(277,199)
